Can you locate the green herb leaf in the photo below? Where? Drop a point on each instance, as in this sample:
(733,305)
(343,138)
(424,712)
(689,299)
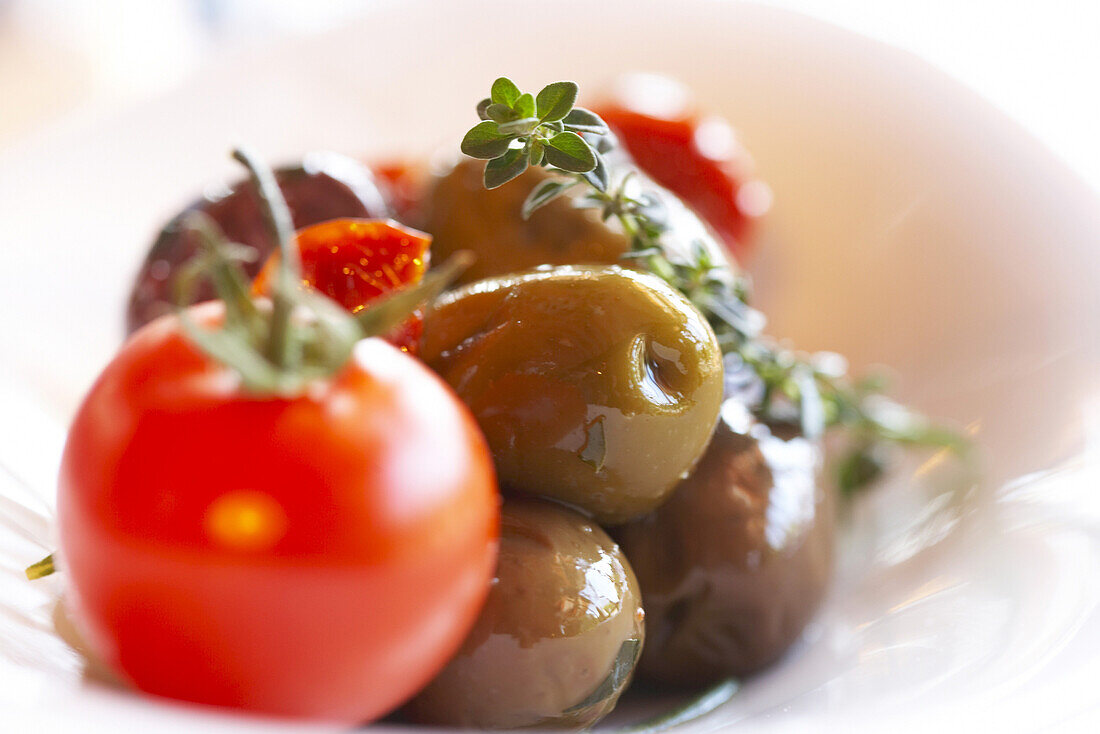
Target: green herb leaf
(580,120)
(535,151)
(859,468)
(505,91)
(543,194)
(41,569)
(556,100)
(522,126)
(525,106)
(500,171)
(598,177)
(501,112)
(569,152)
(485,141)
(483,107)
(811,411)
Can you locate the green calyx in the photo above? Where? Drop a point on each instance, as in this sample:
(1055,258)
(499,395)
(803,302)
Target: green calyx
(780,385)
(301,336)
(278,348)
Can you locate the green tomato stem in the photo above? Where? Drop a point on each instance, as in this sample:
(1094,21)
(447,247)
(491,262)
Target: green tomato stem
(281,227)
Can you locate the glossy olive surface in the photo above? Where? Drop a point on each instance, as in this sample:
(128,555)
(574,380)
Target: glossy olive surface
(322,186)
(734,565)
(461,214)
(558,638)
(599,387)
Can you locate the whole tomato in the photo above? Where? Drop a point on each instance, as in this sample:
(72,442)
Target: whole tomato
(317,556)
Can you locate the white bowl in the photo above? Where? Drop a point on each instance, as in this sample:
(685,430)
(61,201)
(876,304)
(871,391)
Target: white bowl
(914,226)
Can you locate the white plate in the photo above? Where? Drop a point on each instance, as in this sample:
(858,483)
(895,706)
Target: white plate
(914,226)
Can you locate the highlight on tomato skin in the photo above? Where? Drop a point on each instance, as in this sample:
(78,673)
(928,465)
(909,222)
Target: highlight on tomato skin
(354,261)
(695,156)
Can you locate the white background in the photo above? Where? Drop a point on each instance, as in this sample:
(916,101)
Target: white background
(62,61)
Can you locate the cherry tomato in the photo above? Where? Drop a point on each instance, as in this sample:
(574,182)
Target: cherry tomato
(354,261)
(317,556)
(696,157)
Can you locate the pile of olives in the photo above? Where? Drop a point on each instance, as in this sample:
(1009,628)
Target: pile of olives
(600,391)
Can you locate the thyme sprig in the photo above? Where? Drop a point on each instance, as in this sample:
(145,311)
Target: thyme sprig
(781,385)
(518,130)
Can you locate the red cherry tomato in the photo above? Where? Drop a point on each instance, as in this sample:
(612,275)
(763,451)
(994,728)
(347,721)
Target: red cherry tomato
(317,556)
(697,158)
(354,261)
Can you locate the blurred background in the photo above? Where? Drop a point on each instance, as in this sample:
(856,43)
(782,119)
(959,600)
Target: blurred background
(66,65)
(65,61)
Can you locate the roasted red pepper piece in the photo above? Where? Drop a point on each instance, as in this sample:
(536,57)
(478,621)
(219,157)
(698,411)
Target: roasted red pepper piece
(696,157)
(354,261)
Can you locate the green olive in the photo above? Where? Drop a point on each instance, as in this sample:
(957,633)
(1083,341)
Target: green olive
(599,387)
(559,635)
(461,214)
(734,565)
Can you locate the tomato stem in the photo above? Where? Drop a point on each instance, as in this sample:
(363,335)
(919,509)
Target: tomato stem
(280,224)
(304,335)
(389,311)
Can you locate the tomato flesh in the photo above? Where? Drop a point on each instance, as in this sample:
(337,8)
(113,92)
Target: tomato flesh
(319,556)
(354,261)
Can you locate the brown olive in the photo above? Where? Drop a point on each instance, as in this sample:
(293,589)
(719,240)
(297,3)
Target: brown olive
(323,186)
(461,214)
(559,635)
(599,387)
(734,565)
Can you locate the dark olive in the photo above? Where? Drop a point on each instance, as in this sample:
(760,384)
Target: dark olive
(323,186)
(461,214)
(734,565)
(559,635)
(599,387)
